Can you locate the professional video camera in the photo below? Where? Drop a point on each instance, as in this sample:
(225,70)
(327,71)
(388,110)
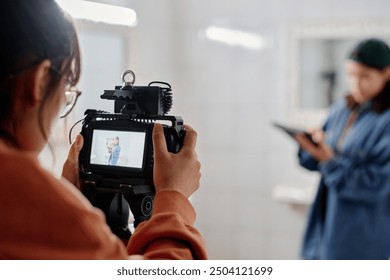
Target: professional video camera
(116,162)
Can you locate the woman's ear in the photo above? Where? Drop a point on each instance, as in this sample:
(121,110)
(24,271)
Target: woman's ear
(387,72)
(39,80)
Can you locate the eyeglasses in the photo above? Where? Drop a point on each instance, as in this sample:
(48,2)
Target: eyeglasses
(71,94)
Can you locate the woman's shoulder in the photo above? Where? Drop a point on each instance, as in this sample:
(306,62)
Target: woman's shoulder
(383,121)
(15,162)
(24,179)
(22,172)
(50,215)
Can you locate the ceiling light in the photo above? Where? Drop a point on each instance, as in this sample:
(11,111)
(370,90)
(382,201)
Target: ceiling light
(98,12)
(235,37)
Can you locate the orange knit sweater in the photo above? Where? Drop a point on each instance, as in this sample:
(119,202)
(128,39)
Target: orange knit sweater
(42,217)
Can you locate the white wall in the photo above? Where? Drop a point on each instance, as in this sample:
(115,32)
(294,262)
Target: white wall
(230,95)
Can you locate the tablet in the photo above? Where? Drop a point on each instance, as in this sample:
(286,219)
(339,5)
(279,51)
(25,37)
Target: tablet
(292,131)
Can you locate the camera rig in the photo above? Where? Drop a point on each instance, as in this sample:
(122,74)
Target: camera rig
(116,161)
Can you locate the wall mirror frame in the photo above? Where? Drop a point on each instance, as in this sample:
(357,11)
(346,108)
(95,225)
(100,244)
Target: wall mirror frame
(311,47)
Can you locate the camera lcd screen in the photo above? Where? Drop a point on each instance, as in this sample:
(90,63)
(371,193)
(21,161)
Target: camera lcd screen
(118,148)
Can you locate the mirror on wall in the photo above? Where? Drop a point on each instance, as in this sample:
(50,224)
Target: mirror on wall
(316,59)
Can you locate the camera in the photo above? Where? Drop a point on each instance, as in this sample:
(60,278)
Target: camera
(116,161)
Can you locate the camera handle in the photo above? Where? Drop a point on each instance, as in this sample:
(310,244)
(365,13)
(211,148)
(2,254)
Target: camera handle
(118,216)
(126,83)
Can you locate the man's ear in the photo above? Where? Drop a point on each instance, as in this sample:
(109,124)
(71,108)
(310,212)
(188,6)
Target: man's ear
(39,80)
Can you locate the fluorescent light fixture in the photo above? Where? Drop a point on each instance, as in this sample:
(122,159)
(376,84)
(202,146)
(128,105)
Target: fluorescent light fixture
(98,12)
(235,37)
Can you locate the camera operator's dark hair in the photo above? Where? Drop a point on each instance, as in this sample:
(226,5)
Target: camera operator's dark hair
(30,32)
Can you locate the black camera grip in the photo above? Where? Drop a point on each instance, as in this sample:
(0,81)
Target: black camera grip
(173,139)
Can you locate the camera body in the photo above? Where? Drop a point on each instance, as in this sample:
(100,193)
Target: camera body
(116,161)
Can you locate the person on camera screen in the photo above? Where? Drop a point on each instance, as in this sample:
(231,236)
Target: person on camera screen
(114,150)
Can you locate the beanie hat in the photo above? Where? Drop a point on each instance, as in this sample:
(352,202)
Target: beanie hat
(372,52)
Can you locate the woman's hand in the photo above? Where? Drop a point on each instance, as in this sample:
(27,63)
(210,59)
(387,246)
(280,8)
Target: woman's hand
(70,171)
(181,171)
(321,152)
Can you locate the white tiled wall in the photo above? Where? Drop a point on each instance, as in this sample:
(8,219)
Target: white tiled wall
(230,95)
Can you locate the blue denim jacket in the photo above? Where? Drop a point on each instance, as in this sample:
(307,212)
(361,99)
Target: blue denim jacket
(350,216)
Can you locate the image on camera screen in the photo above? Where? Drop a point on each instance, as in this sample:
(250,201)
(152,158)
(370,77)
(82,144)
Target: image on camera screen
(118,148)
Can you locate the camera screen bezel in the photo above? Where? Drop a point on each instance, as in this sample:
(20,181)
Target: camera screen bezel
(119,126)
